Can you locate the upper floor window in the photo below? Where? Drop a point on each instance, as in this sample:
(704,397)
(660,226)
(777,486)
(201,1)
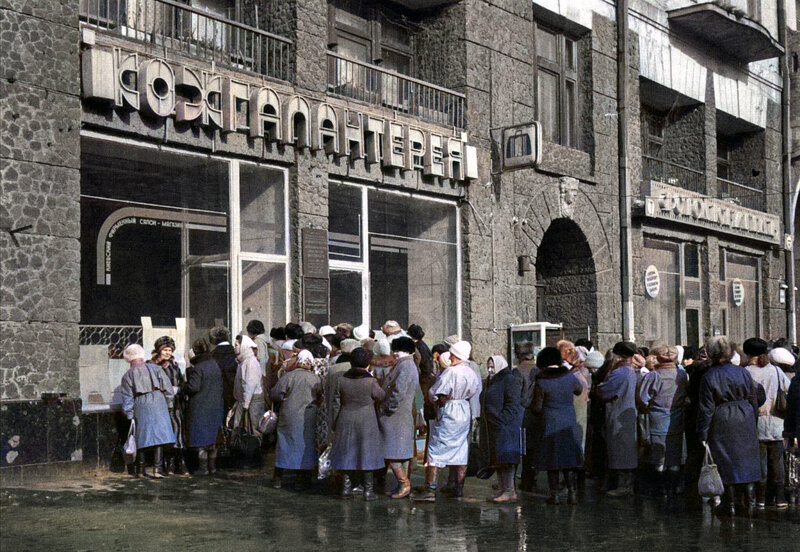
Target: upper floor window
(724,147)
(556,86)
(369,35)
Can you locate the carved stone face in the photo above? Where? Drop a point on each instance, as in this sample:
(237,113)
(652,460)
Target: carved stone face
(568,192)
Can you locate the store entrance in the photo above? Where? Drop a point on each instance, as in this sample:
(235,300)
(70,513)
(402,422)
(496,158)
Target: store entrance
(566,280)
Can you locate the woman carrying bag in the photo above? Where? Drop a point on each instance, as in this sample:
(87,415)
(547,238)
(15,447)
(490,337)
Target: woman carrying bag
(146,391)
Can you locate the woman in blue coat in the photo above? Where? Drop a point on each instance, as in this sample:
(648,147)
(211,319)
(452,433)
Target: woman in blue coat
(556,430)
(146,391)
(205,412)
(501,423)
(726,420)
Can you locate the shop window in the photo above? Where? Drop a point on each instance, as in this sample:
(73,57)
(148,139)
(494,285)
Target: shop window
(169,235)
(742,296)
(661,316)
(556,86)
(406,269)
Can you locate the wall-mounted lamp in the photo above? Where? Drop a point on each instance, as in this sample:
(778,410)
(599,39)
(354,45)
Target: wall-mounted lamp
(524,263)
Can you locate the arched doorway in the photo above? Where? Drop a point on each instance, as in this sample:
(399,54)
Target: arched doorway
(566,280)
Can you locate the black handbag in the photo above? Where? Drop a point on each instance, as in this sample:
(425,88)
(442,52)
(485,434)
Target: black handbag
(781,402)
(244,441)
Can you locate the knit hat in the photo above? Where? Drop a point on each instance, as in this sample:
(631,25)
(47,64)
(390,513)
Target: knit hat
(360,358)
(391,327)
(361,332)
(755,346)
(134,351)
(595,360)
(782,356)
(382,347)
(549,356)
(625,349)
(349,345)
(461,349)
(452,339)
(327,330)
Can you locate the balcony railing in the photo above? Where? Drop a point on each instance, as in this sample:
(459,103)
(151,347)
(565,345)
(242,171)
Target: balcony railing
(192,32)
(673,174)
(752,198)
(403,94)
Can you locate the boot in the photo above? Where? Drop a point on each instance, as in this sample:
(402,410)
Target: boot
(426,495)
(180,464)
(158,464)
(460,474)
(202,457)
(212,462)
(277,478)
(507,492)
(624,485)
(780,496)
(527,483)
(727,507)
(552,486)
(750,498)
(572,488)
(369,486)
(403,481)
(347,486)
(761,495)
(138,465)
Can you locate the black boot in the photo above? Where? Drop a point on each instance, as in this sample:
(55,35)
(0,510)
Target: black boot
(369,486)
(624,484)
(572,487)
(761,495)
(138,465)
(552,484)
(347,486)
(158,463)
(212,462)
(728,504)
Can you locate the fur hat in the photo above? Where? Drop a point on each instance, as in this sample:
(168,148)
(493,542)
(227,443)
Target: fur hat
(162,342)
(134,351)
(390,328)
(625,349)
(461,349)
(755,346)
(403,345)
(360,357)
(349,345)
(549,356)
(255,327)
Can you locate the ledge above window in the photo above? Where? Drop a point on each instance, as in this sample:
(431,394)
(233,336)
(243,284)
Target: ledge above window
(741,37)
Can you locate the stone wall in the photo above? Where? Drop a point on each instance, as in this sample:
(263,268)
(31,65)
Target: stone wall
(40,156)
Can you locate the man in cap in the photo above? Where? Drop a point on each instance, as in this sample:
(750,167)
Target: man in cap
(618,391)
(457,393)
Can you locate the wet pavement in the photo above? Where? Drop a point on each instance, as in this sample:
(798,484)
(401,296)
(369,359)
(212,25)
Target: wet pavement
(240,512)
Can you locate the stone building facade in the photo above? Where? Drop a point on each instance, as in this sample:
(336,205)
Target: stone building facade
(217,161)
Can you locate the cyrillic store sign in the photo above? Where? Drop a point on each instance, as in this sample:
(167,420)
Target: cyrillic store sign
(678,205)
(159,89)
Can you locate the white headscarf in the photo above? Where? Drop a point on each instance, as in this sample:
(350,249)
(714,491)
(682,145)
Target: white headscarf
(305,356)
(247,346)
(499,363)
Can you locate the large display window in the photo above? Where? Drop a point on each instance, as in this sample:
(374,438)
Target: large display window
(740,280)
(393,256)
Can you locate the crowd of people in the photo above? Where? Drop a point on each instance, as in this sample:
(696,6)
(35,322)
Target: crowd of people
(355,402)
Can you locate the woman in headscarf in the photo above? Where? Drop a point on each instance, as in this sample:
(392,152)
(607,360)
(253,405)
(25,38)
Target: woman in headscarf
(298,393)
(501,424)
(556,432)
(726,420)
(662,395)
(205,411)
(247,385)
(457,393)
(146,392)
(357,443)
(163,355)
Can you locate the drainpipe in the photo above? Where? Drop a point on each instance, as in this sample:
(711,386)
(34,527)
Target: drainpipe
(624,185)
(789,200)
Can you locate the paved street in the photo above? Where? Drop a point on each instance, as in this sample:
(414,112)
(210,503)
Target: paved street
(239,511)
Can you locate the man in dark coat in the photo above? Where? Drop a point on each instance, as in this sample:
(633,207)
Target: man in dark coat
(528,370)
(205,410)
(225,355)
(618,391)
(422,356)
(396,414)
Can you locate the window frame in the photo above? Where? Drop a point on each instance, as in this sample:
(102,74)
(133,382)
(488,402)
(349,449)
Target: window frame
(567,120)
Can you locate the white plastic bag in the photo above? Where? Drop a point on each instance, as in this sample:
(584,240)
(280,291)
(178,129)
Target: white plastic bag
(268,423)
(130,444)
(324,467)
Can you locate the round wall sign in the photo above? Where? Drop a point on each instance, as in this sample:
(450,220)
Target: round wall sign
(652,281)
(738,292)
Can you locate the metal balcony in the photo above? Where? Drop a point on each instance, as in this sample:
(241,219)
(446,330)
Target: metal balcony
(673,174)
(752,198)
(192,32)
(403,94)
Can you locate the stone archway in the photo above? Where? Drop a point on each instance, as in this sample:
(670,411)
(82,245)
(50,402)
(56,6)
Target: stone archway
(566,279)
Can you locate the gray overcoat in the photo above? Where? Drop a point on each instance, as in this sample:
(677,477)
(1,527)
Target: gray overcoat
(396,413)
(297,392)
(357,441)
(619,394)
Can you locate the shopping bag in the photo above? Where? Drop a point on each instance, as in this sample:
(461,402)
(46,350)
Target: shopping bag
(268,423)
(324,466)
(243,440)
(130,444)
(710,482)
